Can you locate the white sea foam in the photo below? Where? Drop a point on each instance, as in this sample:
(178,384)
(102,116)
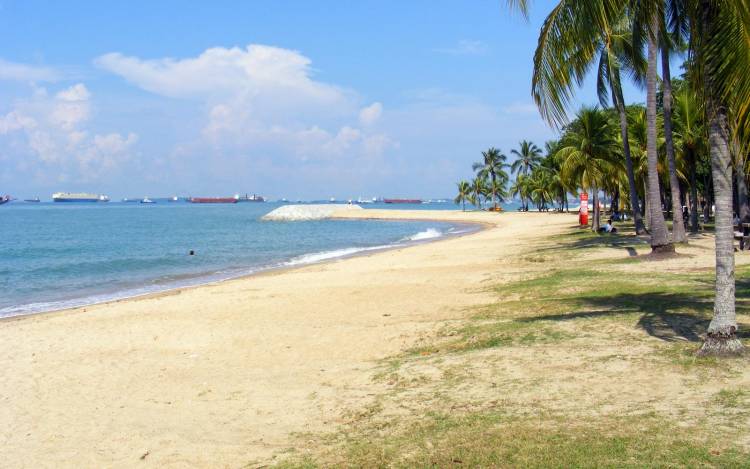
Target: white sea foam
(429,233)
(334,254)
(306,212)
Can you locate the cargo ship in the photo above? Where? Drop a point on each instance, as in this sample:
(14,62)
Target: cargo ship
(402,201)
(214,200)
(78,197)
(252,198)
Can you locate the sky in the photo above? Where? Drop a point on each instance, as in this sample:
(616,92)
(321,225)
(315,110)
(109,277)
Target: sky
(295,99)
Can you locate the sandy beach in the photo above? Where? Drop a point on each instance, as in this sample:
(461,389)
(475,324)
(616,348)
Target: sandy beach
(222,375)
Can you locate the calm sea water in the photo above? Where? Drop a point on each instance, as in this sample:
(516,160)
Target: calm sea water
(54,256)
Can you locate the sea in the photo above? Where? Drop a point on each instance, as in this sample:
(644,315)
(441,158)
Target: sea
(57,255)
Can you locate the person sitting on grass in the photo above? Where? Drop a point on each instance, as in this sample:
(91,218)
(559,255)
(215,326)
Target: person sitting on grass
(608,228)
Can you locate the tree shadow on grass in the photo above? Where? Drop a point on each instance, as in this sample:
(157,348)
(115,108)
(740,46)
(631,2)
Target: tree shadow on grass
(666,316)
(580,240)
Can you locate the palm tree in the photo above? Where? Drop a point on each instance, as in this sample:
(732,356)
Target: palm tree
(479,189)
(464,194)
(542,189)
(659,239)
(493,162)
(678,227)
(588,153)
(722,53)
(689,141)
(528,157)
(520,188)
(569,44)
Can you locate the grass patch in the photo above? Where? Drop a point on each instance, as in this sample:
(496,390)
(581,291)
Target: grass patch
(492,439)
(480,335)
(733,398)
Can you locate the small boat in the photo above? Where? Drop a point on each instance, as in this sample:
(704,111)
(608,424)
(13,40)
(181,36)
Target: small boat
(173,199)
(402,201)
(214,200)
(35,200)
(146,200)
(332,200)
(5,199)
(361,201)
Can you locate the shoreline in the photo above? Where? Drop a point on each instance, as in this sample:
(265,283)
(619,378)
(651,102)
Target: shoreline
(225,375)
(283,267)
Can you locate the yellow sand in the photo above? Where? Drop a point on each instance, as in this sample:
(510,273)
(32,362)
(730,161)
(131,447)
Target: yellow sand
(227,375)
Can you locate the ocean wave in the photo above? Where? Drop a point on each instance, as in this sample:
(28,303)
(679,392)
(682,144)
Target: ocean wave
(334,254)
(429,233)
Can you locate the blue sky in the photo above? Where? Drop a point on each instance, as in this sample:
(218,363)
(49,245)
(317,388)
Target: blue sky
(287,99)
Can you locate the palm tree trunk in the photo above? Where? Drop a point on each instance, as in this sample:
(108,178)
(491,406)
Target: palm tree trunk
(744,212)
(659,240)
(693,193)
(721,337)
(494,203)
(634,203)
(595,222)
(678,227)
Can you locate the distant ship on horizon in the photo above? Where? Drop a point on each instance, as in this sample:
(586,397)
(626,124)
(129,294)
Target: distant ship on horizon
(252,198)
(78,197)
(402,201)
(214,200)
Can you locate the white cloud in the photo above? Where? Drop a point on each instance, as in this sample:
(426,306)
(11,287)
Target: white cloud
(77,92)
(23,72)
(71,107)
(15,121)
(370,114)
(465,47)
(255,73)
(260,100)
(51,132)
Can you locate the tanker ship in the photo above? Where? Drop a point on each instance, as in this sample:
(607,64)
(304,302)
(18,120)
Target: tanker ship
(78,197)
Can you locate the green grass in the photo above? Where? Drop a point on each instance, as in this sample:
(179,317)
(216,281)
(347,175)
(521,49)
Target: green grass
(493,439)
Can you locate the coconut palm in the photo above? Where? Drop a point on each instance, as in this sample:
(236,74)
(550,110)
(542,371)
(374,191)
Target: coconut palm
(479,189)
(659,236)
(722,50)
(528,157)
(666,45)
(588,153)
(541,187)
(689,142)
(569,43)
(520,188)
(464,194)
(492,164)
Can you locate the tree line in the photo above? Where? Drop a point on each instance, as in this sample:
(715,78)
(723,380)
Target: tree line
(686,146)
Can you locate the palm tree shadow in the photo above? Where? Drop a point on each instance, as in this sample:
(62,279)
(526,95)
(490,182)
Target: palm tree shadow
(615,241)
(666,316)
